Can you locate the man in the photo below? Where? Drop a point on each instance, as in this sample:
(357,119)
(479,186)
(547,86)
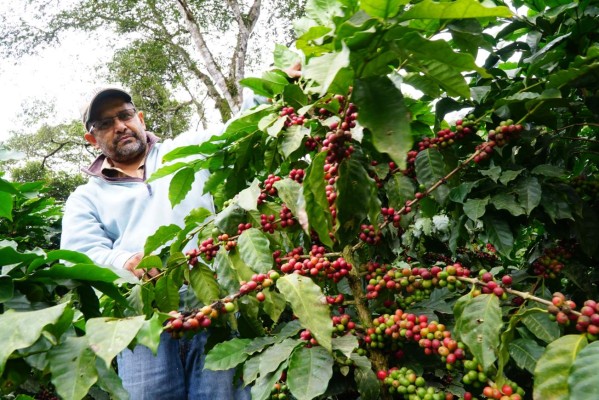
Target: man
(109,219)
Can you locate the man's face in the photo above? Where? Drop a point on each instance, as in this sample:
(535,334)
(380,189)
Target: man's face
(121,139)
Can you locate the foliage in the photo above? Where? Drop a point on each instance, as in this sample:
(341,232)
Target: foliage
(29,218)
(58,147)
(374,247)
(58,184)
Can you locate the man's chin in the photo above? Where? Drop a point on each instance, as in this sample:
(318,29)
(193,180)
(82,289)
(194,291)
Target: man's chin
(127,151)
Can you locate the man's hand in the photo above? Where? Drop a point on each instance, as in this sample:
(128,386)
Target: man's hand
(133,262)
(295,71)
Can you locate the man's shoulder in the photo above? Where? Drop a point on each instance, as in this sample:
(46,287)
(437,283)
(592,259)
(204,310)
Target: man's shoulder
(89,188)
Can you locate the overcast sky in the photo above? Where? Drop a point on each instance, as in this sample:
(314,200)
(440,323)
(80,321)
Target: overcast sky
(62,75)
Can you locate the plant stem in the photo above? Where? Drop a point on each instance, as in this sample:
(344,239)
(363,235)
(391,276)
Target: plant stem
(524,295)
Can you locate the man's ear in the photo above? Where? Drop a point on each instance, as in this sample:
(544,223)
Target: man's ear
(91,139)
(140,114)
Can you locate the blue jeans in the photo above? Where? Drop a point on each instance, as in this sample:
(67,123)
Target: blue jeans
(176,373)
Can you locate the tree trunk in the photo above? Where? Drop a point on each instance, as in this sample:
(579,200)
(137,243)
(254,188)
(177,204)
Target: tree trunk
(214,70)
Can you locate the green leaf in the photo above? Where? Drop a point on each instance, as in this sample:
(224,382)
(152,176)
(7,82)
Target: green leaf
(162,236)
(166,170)
(248,320)
(509,175)
(556,205)
(526,353)
(481,324)
(229,219)
(85,272)
(317,205)
(583,376)
(475,208)
(295,96)
(149,262)
(203,283)
(529,193)
(309,373)
(227,355)
(7,288)
(399,189)
(284,57)
(109,336)
(167,294)
(292,139)
(323,70)
(554,367)
(288,329)
(507,201)
(368,384)
(548,170)
(149,333)
(248,197)
(21,329)
(494,173)
(250,370)
(289,190)
(499,233)
(244,272)
(437,59)
(109,381)
(262,389)
(268,121)
(383,9)
(9,255)
(354,195)
(459,193)
(276,354)
(6,186)
(254,248)
(274,304)
(439,301)
(68,255)
(249,120)
(72,364)
(309,304)
(180,185)
(444,75)
(89,304)
(345,344)
(430,168)
(207,147)
(383,112)
(429,9)
(226,273)
(541,326)
(6,205)
(271,83)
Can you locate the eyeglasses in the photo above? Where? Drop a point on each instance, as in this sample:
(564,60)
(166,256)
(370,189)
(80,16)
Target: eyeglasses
(107,123)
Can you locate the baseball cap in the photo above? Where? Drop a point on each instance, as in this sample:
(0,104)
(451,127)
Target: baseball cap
(96,98)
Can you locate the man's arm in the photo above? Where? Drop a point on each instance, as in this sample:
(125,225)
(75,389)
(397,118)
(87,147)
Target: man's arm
(83,232)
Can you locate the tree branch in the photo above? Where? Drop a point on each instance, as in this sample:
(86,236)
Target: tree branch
(45,158)
(246,27)
(213,69)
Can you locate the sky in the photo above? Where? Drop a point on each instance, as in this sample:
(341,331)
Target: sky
(62,75)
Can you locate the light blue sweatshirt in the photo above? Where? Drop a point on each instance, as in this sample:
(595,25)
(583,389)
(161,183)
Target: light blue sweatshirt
(109,219)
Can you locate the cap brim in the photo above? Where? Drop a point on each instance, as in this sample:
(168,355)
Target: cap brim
(97,99)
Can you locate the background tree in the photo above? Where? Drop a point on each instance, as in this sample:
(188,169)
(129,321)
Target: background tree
(198,47)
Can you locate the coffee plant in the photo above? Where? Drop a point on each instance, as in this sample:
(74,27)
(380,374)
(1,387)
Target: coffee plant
(371,241)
